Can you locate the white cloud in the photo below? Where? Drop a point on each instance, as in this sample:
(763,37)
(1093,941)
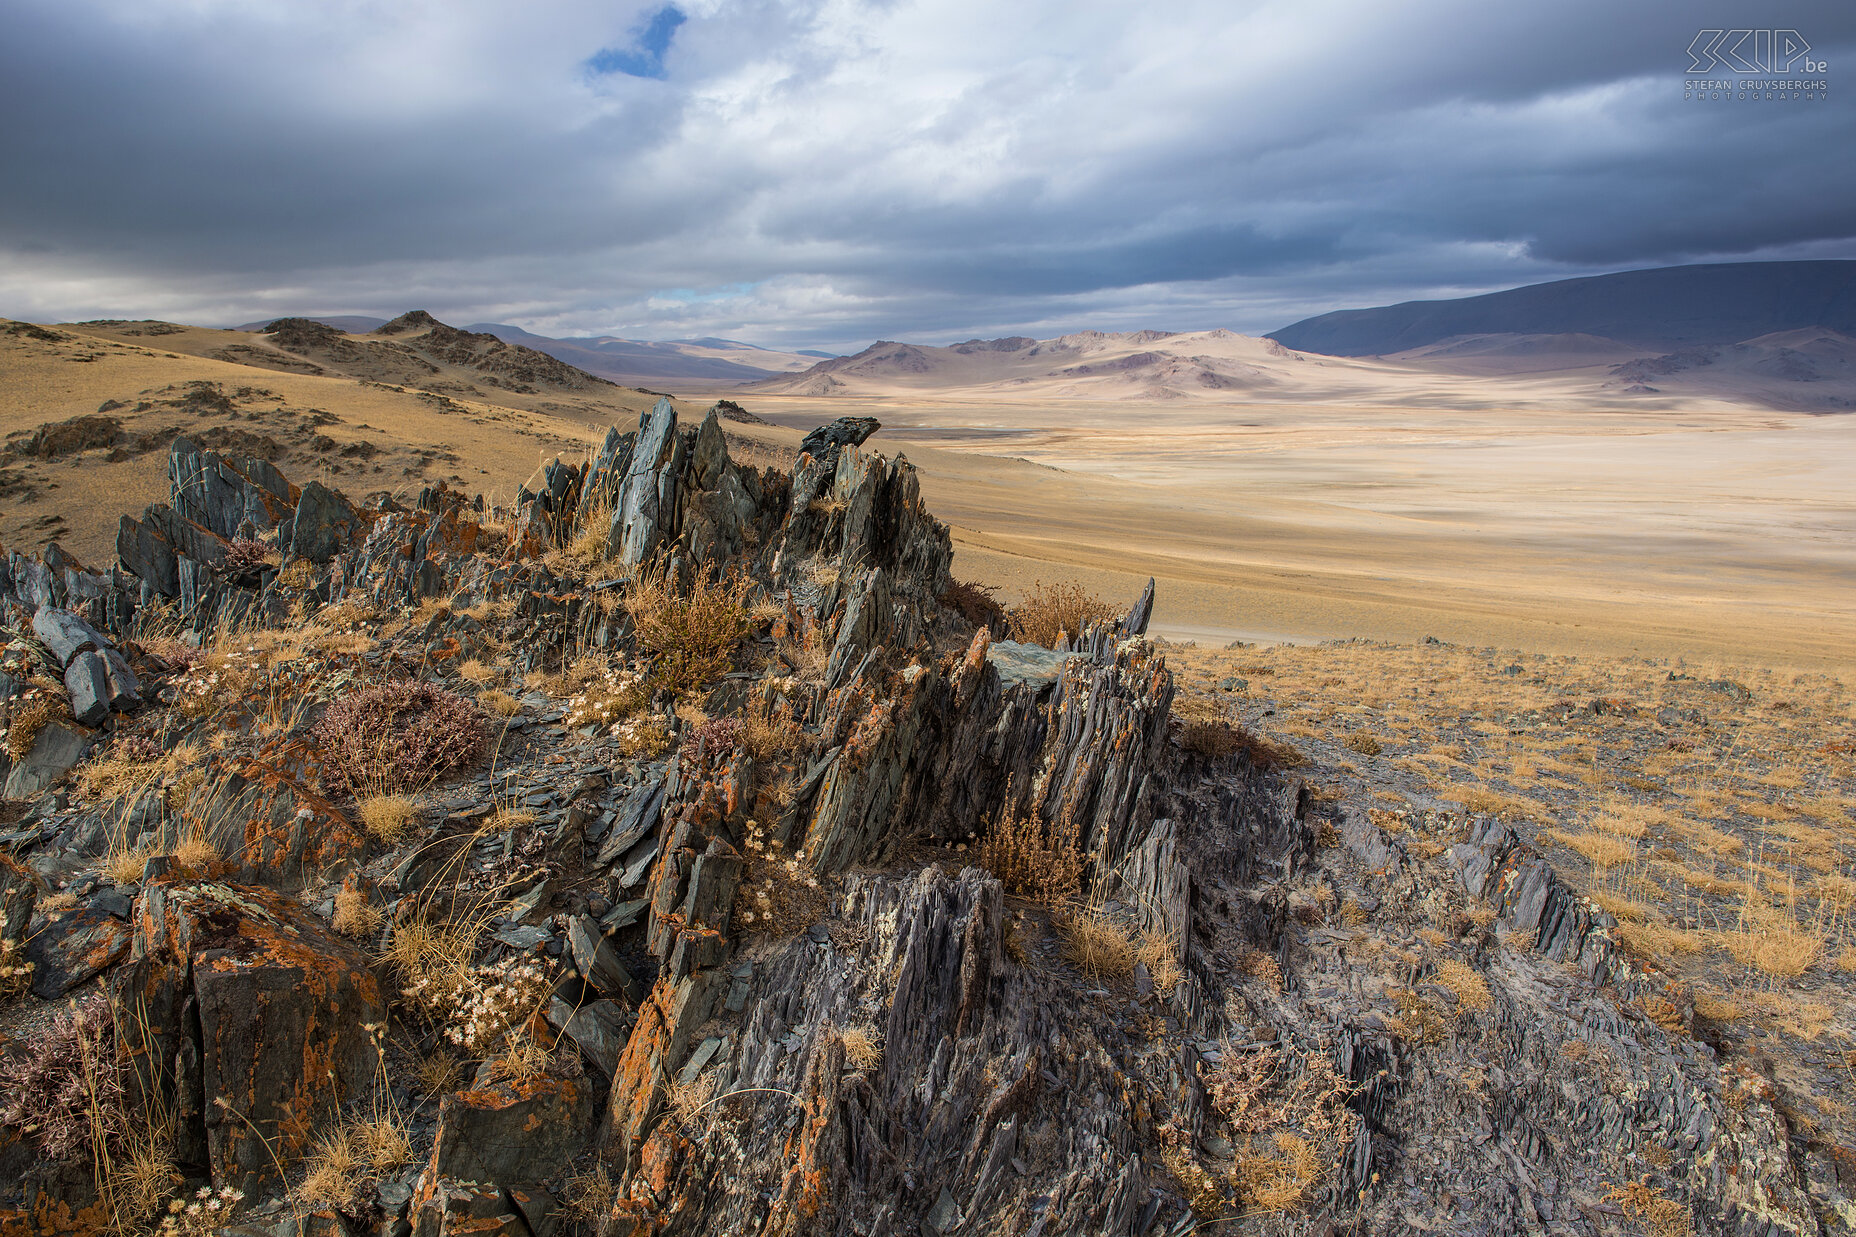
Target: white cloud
(821,172)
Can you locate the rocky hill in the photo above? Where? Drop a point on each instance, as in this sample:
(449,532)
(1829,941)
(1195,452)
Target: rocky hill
(670,852)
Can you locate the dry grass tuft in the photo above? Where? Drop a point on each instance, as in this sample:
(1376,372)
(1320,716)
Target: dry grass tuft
(1465,983)
(1101,946)
(863,1047)
(354,915)
(388,818)
(499,702)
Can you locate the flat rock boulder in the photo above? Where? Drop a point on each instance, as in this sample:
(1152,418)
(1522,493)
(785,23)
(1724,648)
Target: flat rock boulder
(238,993)
(511,1132)
(73,946)
(65,634)
(57,748)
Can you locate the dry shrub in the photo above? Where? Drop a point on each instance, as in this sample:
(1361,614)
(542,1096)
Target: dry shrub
(1664,1012)
(246,555)
(1652,1213)
(770,735)
(131,766)
(388,817)
(1271,1184)
(691,640)
(1101,946)
(1289,1123)
(438,1073)
(1205,731)
(398,736)
(64,1091)
(976,603)
(714,739)
(508,816)
(607,698)
(587,1198)
(1047,613)
(643,738)
(688,1101)
(1465,983)
(354,914)
(778,893)
(349,1159)
(1364,743)
(863,1047)
(1031,859)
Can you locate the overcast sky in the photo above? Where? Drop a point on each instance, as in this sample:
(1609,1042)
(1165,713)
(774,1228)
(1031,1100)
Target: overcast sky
(822,173)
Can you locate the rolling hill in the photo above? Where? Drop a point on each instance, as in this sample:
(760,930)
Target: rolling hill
(1661,309)
(707,362)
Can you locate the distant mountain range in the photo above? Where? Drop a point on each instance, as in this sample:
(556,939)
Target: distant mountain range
(1663,309)
(710,361)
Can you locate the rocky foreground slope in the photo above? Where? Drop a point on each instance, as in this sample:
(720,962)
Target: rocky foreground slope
(668,856)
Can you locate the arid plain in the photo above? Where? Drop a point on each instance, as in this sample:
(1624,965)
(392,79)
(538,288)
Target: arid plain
(1284,497)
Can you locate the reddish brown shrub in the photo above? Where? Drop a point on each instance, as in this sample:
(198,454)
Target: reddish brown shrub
(394,737)
(64,1089)
(975,603)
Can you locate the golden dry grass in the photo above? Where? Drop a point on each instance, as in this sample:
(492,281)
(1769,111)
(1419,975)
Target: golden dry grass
(388,817)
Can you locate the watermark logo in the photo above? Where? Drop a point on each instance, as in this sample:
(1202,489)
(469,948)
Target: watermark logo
(1766,66)
(1751,51)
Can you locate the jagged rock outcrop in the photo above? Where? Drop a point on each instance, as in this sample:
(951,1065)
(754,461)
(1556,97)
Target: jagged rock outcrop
(771,990)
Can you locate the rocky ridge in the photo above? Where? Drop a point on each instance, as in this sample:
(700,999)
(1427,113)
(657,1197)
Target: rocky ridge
(776,992)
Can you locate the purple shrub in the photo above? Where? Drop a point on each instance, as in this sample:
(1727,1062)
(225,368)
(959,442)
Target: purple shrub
(398,737)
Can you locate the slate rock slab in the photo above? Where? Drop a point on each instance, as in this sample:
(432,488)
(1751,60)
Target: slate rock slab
(74,946)
(511,1132)
(53,754)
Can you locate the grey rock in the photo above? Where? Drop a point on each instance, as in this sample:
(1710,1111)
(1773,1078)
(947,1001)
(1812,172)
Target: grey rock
(125,689)
(599,1028)
(325,524)
(521,936)
(65,634)
(88,685)
(53,754)
(827,441)
(598,961)
(1026,663)
(74,946)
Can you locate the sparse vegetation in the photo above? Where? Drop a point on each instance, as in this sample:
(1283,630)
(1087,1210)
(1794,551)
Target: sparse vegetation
(1049,612)
(1033,859)
(691,639)
(398,737)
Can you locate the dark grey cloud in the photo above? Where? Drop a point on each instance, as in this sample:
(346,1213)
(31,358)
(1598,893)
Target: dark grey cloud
(823,172)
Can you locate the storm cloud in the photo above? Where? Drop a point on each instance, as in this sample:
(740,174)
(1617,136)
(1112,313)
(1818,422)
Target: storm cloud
(819,173)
